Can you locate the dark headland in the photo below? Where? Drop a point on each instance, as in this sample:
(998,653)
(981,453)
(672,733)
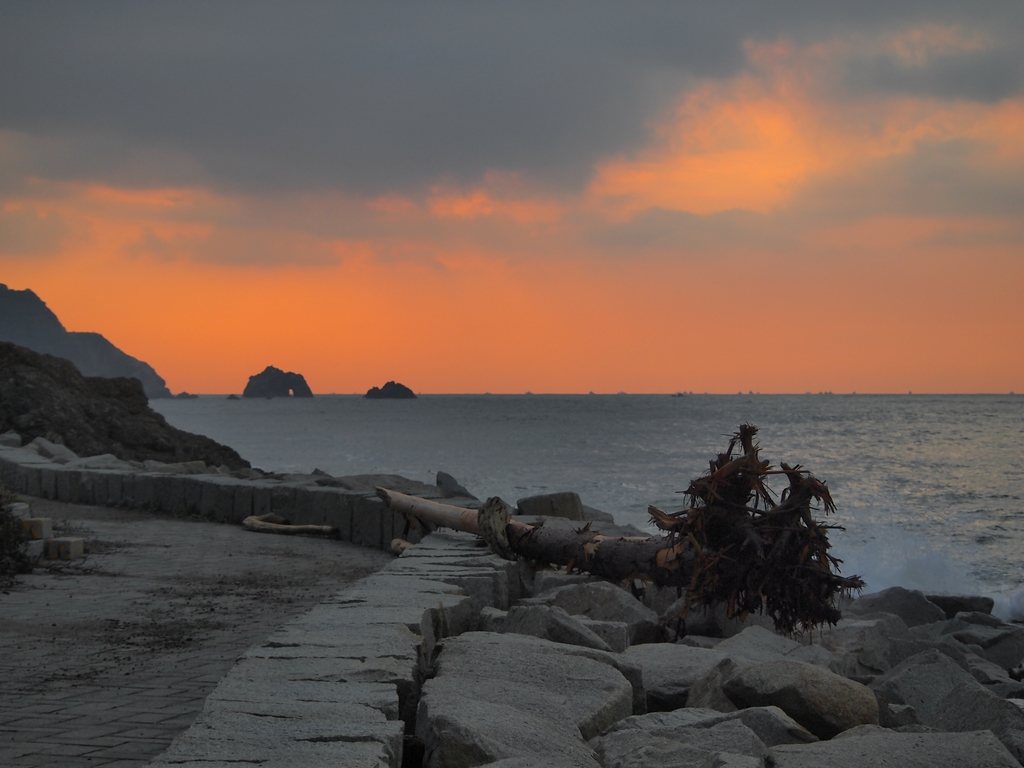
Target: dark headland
(25,320)
(46,396)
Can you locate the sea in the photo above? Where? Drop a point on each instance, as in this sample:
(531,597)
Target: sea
(929,489)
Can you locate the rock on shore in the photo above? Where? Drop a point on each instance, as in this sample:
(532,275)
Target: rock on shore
(42,396)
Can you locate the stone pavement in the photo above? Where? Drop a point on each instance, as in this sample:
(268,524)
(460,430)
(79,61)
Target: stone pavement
(105,660)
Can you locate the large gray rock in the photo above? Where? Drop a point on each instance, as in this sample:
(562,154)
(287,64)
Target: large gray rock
(969,707)
(53,451)
(869,747)
(954,604)
(862,643)
(706,692)
(1002,645)
(771,724)
(10,439)
(565,504)
(757,644)
(551,623)
(503,696)
(604,602)
(614,633)
(824,703)
(909,604)
(921,681)
(677,747)
(669,670)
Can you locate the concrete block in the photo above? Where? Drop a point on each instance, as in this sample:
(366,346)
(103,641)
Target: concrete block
(282,501)
(168,493)
(90,484)
(38,527)
(367,517)
(262,497)
(30,479)
(337,509)
(217,500)
(20,509)
(65,548)
(242,501)
(67,483)
(143,491)
(302,506)
(35,549)
(192,488)
(48,482)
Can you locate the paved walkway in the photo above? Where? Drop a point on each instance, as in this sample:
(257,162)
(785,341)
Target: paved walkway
(104,660)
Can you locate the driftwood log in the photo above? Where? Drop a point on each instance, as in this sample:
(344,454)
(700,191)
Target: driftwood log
(733,545)
(272,523)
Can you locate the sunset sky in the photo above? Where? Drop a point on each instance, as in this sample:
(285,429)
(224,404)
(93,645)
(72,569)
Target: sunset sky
(551,196)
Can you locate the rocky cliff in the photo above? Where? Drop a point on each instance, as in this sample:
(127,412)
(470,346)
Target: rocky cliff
(273,382)
(25,320)
(46,396)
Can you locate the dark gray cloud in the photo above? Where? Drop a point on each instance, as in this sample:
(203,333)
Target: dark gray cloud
(377,96)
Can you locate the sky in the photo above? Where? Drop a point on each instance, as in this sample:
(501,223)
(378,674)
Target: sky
(525,196)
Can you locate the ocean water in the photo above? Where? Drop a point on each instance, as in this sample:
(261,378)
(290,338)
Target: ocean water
(930,489)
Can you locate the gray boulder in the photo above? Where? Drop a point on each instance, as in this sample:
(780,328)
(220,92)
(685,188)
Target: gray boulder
(969,707)
(565,504)
(954,604)
(451,488)
(605,602)
(824,703)
(909,604)
(771,724)
(862,643)
(707,692)
(491,619)
(670,670)
(680,746)
(103,461)
(921,682)
(869,747)
(53,451)
(495,697)
(10,439)
(615,633)
(757,644)
(551,623)
(1003,645)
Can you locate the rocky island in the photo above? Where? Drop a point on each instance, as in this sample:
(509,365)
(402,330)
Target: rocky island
(391,391)
(25,320)
(273,382)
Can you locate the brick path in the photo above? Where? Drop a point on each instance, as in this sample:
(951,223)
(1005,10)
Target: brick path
(103,661)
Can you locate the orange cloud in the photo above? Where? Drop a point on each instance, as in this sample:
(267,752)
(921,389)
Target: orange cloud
(496,286)
(756,141)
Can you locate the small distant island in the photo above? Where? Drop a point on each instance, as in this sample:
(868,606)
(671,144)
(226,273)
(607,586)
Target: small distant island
(273,382)
(391,391)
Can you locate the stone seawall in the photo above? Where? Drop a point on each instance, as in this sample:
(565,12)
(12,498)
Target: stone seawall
(359,515)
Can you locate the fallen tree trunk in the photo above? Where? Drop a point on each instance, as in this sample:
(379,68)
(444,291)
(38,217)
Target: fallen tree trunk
(613,557)
(734,545)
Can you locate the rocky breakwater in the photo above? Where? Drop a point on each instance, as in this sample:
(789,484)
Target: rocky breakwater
(454,657)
